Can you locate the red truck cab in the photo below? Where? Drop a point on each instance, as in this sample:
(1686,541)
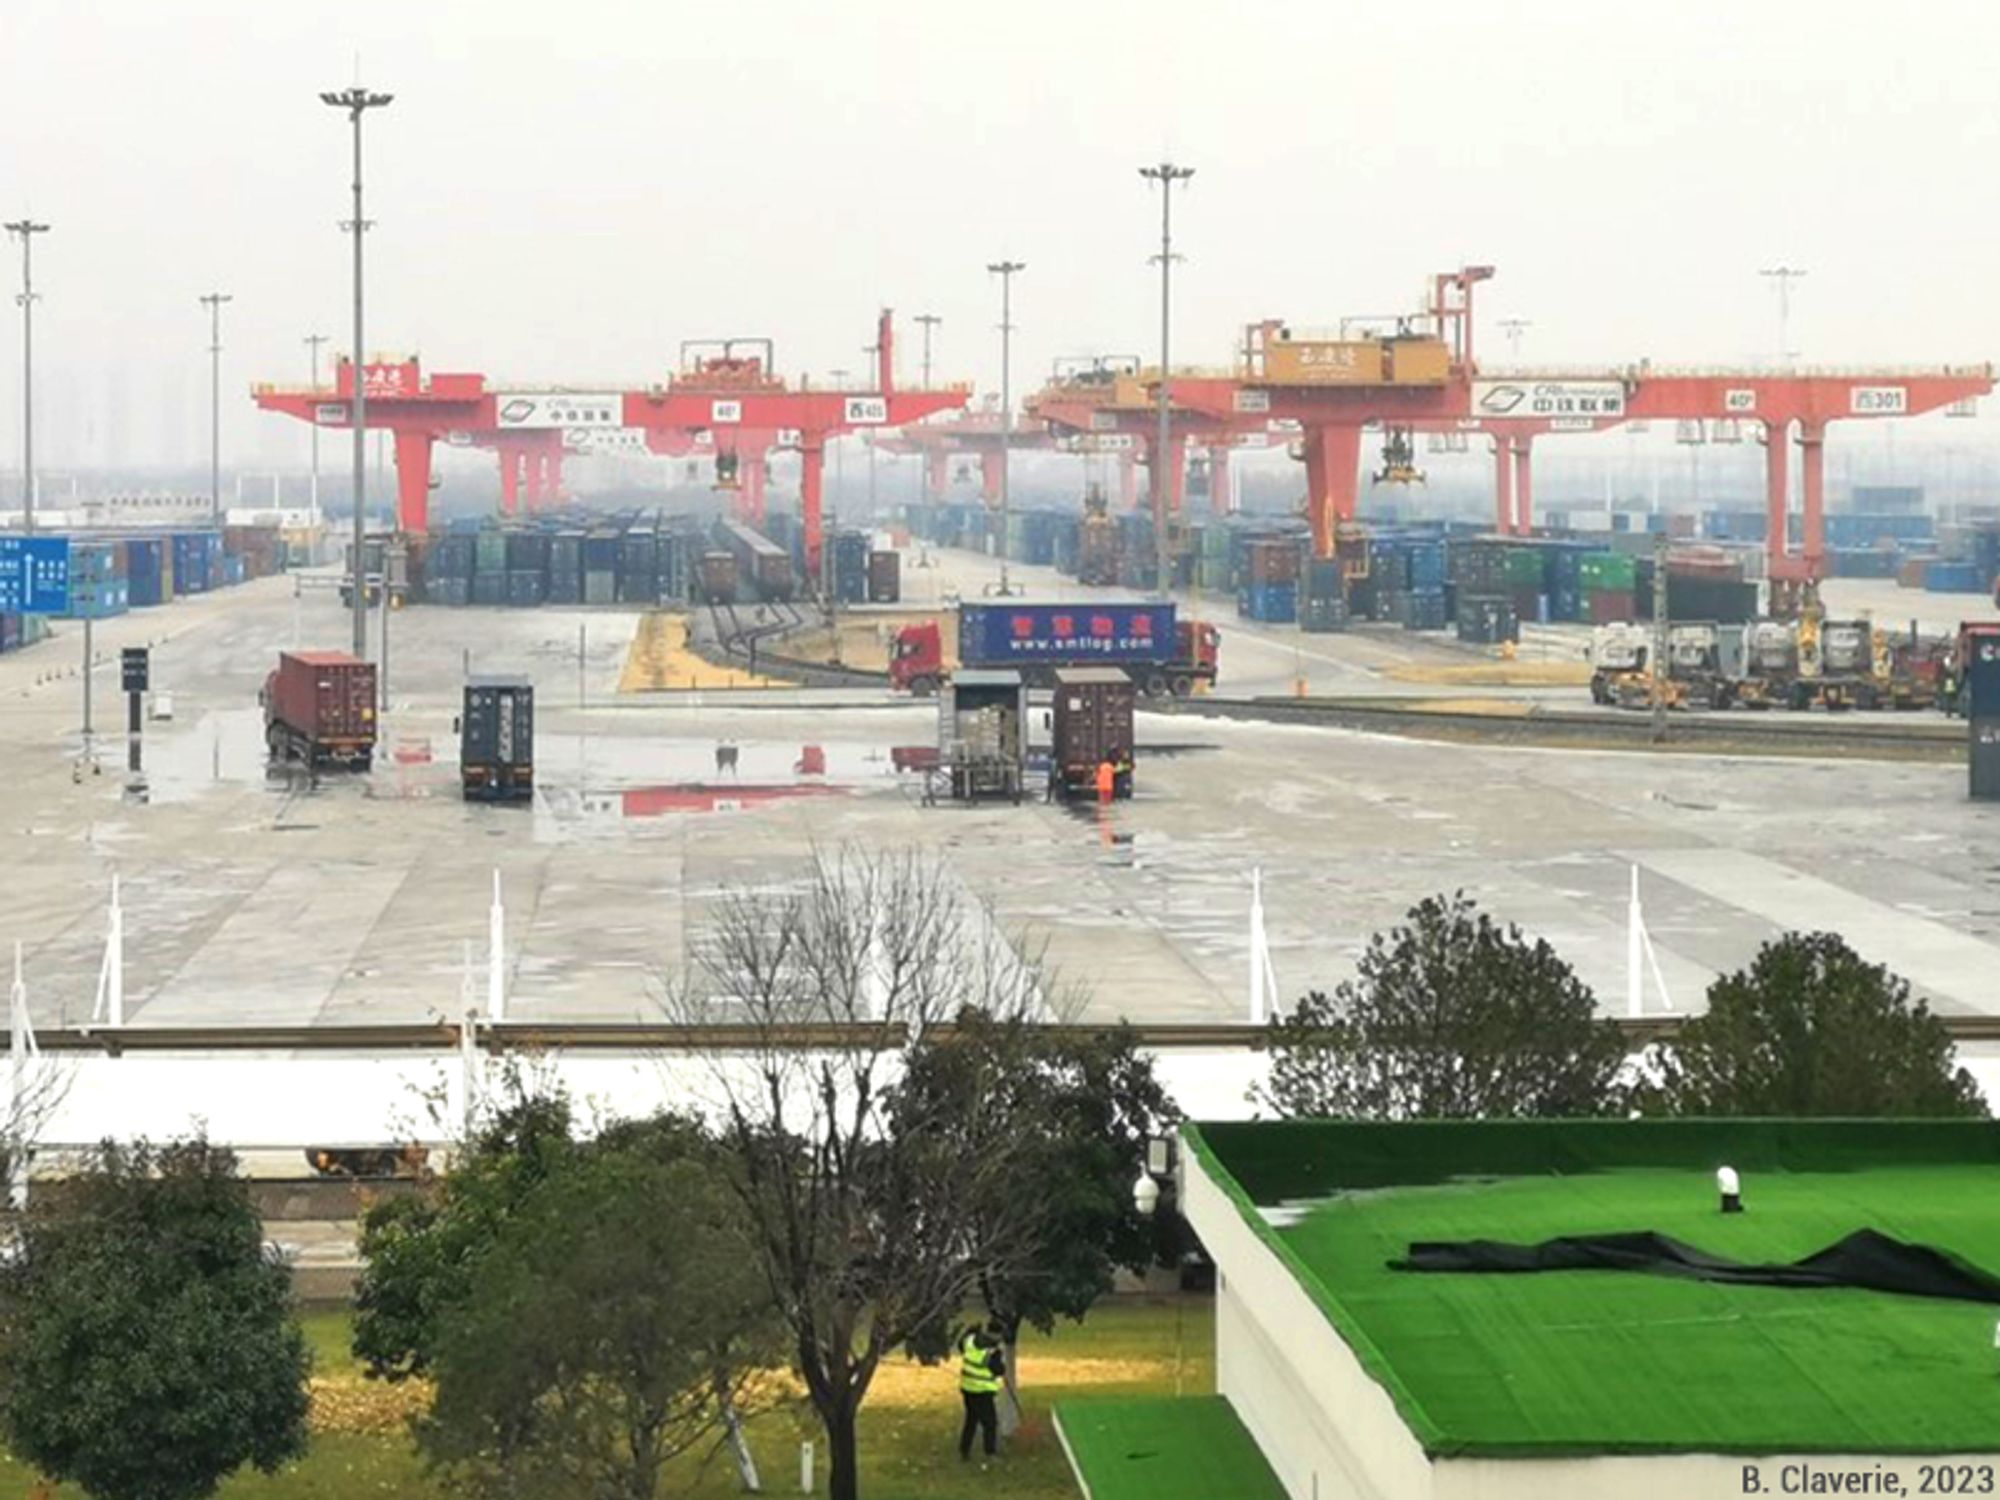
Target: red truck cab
(916,659)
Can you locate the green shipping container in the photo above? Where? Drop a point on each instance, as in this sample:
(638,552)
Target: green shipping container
(489,552)
(1608,571)
(1524,567)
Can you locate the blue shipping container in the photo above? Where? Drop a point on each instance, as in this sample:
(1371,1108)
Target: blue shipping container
(96,601)
(1954,578)
(1006,635)
(1427,565)
(1271,603)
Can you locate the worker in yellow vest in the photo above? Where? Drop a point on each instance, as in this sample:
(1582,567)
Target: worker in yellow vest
(981,1371)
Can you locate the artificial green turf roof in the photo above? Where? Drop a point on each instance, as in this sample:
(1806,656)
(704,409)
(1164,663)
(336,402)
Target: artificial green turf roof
(1164,1448)
(1602,1361)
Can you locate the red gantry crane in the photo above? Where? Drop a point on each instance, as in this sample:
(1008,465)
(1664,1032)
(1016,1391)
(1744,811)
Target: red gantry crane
(735,397)
(1424,377)
(977,435)
(722,398)
(1107,405)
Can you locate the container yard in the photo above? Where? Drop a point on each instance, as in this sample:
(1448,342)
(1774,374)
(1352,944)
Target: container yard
(384,877)
(675,682)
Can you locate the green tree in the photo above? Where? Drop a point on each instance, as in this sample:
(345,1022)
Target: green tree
(1079,1109)
(1810,1028)
(1451,1016)
(148,1348)
(612,1325)
(420,1254)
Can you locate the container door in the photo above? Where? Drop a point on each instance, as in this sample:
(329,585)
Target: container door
(503,750)
(360,686)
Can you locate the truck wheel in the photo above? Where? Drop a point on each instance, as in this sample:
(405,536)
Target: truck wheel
(1156,685)
(1183,685)
(923,687)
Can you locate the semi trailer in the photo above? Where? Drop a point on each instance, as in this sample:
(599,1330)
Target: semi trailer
(319,710)
(1160,653)
(496,740)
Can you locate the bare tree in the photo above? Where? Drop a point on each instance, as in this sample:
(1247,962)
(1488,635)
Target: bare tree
(865,1218)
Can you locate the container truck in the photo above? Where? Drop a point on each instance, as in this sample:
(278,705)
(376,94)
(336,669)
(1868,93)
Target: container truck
(1837,664)
(496,740)
(982,735)
(1618,656)
(319,709)
(1090,722)
(1146,642)
(1697,670)
(1770,665)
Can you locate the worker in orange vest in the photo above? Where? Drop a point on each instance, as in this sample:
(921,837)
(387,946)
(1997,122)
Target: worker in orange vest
(1107,780)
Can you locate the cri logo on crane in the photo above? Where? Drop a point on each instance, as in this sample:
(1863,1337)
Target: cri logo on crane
(1549,398)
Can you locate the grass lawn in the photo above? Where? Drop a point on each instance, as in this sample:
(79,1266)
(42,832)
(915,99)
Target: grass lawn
(1603,1360)
(909,1427)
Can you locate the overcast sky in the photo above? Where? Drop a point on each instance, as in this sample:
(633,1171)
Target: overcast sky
(566,191)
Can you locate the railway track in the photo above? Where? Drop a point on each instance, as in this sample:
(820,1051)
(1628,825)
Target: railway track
(753,645)
(662,1036)
(1881,737)
(737,638)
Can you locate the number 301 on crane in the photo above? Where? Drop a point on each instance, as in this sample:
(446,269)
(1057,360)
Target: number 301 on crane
(1880,400)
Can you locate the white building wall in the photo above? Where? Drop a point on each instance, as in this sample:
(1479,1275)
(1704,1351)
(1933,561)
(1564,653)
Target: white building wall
(1328,1429)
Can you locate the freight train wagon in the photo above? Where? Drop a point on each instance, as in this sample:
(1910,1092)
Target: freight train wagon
(761,564)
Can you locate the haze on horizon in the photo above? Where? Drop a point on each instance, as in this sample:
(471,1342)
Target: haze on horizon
(563,195)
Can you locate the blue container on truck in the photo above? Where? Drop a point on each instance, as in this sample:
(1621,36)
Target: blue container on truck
(1013,635)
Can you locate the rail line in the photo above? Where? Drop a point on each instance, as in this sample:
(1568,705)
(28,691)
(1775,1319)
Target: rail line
(663,1036)
(747,644)
(1939,741)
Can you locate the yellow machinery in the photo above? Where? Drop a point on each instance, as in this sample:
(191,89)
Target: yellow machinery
(1399,459)
(1281,357)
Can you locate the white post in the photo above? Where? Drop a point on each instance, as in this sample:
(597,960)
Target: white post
(1635,945)
(117,951)
(16,1033)
(1263,976)
(468,1048)
(806,1467)
(21,1050)
(496,957)
(874,981)
(1256,947)
(110,1006)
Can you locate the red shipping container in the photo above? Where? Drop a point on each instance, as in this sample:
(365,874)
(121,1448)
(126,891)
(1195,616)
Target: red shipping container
(1273,561)
(325,699)
(1611,606)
